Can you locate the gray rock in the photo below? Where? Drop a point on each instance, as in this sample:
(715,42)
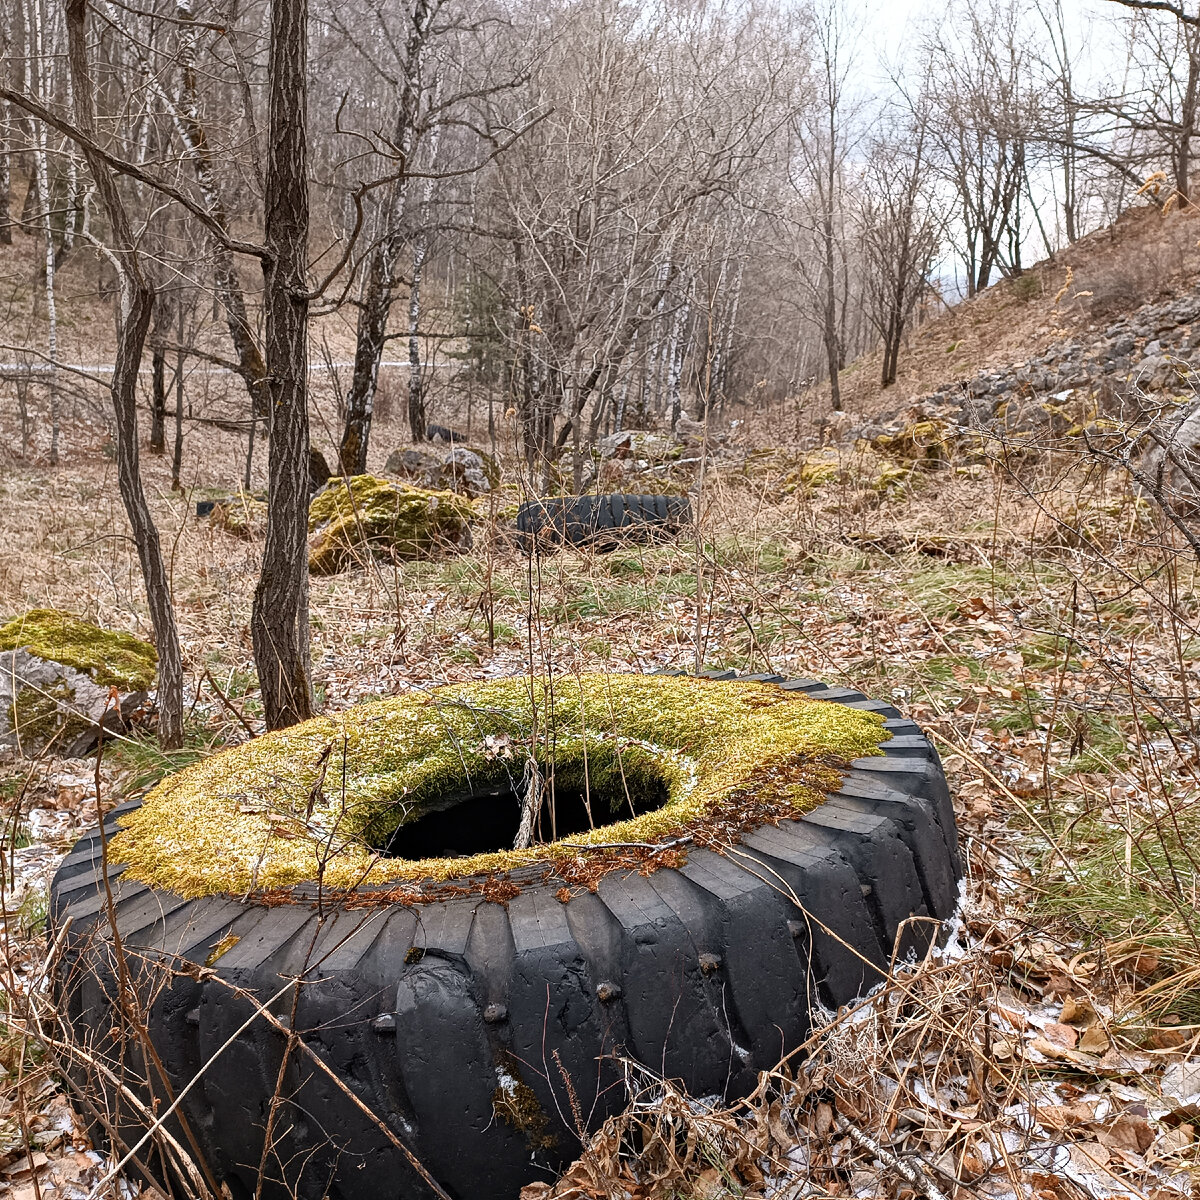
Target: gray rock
(56,706)
(1122,347)
(410,462)
(1175,457)
(639,444)
(1152,348)
(459,469)
(471,472)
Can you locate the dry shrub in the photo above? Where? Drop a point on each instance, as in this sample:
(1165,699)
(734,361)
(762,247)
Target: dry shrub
(941,1084)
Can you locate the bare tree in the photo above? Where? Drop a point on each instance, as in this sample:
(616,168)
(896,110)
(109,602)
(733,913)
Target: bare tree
(134,310)
(40,68)
(279,623)
(1164,40)
(981,134)
(6,157)
(825,133)
(375,303)
(901,229)
(658,116)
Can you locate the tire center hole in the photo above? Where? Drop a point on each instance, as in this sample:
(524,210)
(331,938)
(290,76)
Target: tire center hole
(483,815)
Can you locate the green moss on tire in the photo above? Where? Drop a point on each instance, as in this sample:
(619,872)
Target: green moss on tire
(313,800)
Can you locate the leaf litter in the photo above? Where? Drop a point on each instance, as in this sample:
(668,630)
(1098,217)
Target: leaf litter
(1047,1051)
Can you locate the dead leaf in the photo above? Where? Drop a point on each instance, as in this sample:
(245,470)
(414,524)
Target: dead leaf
(971,1167)
(1094,1040)
(1167,1039)
(70,794)
(1076,1012)
(1061,1053)
(1175,1141)
(1065,1116)
(226,944)
(1058,984)
(25,1168)
(1089,1156)
(1061,1035)
(1128,1133)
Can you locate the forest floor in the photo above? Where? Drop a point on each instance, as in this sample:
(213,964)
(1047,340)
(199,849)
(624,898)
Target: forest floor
(1038,620)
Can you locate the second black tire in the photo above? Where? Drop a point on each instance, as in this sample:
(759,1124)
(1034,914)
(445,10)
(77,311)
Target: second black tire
(603,522)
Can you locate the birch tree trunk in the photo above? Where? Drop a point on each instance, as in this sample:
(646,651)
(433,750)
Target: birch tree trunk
(5,174)
(41,81)
(676,348)
(623,393)
(416,385)
(177,455)
(279,624)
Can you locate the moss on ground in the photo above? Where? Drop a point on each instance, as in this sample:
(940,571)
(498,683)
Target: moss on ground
(312,800)
(111,659)
(349,520)
(243,515)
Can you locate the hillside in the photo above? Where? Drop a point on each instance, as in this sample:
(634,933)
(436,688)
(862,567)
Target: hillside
(1059,314)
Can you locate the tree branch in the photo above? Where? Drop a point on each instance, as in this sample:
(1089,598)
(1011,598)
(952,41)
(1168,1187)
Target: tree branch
(131,170)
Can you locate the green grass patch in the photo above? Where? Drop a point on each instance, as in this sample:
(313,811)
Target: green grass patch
(1134,869)
(943,668)
(143,763)
(940,589)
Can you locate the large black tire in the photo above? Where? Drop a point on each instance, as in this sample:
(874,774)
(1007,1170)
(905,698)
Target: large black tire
(603,522)
(460,1023)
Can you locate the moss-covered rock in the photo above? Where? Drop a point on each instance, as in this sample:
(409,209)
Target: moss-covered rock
(922,441)
(57,674)
(348,521)
(115,659)
(659,757)
(244,514)
(818,469)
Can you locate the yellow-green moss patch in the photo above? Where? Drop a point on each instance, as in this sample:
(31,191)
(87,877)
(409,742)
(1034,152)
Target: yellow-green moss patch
(244,515)
(349,520)
(111,659)
(311,801)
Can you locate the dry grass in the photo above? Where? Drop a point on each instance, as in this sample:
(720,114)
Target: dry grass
(1057,673)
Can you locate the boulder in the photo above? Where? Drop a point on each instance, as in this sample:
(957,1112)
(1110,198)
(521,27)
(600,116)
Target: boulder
(639,444)
(414,462)
(244,514)
(319,473)
(348,521)
(462,469)
(1171,463)
(61,678)
(923,439)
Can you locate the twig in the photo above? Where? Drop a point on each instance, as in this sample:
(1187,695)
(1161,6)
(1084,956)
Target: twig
(229,705)
(909,1172)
